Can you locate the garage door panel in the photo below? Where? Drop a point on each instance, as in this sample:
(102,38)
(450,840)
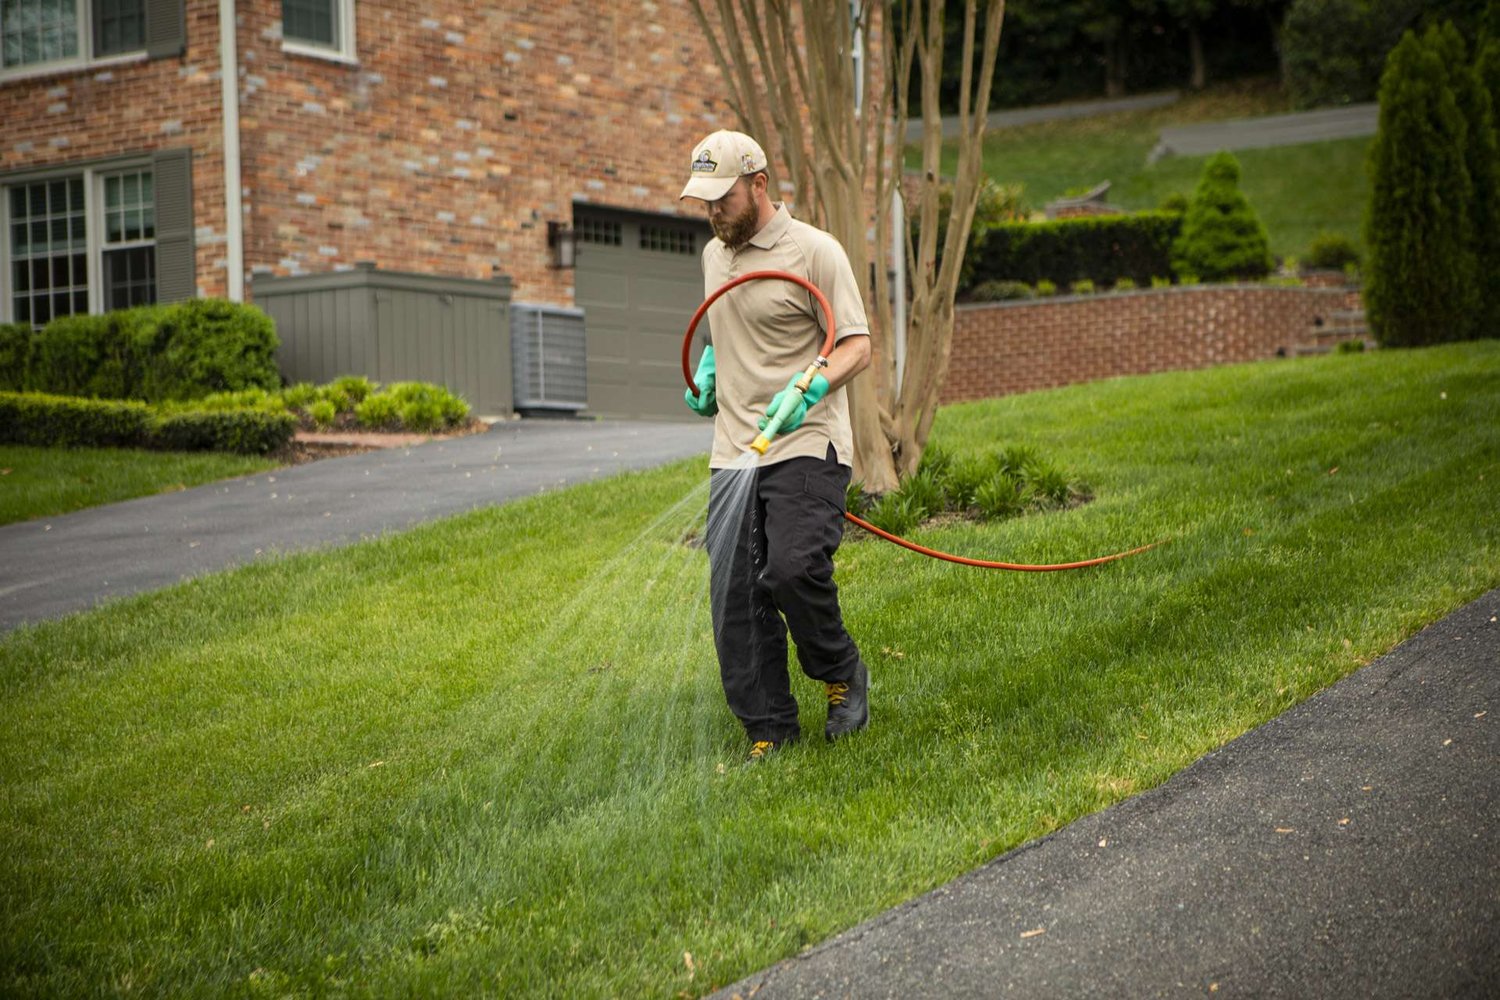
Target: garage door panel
(637,301)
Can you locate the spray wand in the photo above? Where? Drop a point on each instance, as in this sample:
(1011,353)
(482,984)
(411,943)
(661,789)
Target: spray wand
(791,400)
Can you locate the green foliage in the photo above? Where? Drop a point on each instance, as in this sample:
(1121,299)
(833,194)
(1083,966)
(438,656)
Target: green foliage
(322,413)
(1100,248)
(298,396)
(70,421)
(1124,284)
(1331,251)
(1176,202)
(1333,50)
(423,406)
(997,204)
(1084,287)
(66,421)
(378,412)
(1000,497)
(1222,239)
(245,431)
(1474,87)
(245,399)
(156,353)
(354,388)
(895,512)
(997,290)
(1045,288)
(1420,273)
(1157,281)
(16,346)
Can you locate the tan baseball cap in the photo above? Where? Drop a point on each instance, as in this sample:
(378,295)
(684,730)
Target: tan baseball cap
(719,161)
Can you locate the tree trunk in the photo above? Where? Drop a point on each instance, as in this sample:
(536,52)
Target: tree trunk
(1195,49)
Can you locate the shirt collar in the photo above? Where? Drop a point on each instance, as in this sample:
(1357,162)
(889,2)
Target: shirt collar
(773,230)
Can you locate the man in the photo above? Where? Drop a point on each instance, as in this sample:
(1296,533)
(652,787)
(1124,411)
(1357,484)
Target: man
(772,570)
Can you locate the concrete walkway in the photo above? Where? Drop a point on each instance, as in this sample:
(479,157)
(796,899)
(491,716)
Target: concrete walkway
(1349,122)
(53,566)
(1348,849)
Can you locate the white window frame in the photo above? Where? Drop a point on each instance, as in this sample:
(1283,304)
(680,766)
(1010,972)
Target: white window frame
(93,216)
(345,51)
(86,58)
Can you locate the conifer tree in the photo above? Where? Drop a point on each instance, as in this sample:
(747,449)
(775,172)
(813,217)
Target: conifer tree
(1482,113)
(1420,278)
(1222,238)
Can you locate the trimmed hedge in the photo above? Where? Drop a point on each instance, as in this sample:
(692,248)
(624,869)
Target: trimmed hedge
(15,355)
(69,421)
(1102,249)
(154,353)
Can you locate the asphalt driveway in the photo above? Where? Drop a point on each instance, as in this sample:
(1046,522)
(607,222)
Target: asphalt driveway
(54,566)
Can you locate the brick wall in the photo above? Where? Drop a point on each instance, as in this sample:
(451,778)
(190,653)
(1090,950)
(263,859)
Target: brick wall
(1009,347)
(464,129)
(129,108)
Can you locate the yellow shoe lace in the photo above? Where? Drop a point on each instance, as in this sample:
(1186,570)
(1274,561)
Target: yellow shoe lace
(760,748)
(837,693)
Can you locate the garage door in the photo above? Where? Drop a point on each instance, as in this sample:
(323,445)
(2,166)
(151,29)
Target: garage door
(638,282)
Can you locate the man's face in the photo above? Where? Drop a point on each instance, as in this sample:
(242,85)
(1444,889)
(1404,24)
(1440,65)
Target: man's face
(734,216)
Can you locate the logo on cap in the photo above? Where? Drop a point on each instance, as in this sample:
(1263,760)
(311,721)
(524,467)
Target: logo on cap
(748,163)
(704,163)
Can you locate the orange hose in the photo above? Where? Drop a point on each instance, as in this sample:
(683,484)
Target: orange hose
(687,373)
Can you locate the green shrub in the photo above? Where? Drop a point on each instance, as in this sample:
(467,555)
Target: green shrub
(1000,497)
(924,493)
(378,412)
(1016,459)
(1327,252)
(1351,347)
(248,431)
(422,406)
(998,203)
(1176,202)
(1124,285)
(80,356)
(68,421)
(355,388)
(1221,236)
(212,345)
(895,513)
(1100,248)
(16,340)
(1157,281)
(336,398)
(967,477)
(1084,287)
(218,402)
(299,396)
(1045,288)
(995,290)
(856,501)
(1420,274)
(322,413)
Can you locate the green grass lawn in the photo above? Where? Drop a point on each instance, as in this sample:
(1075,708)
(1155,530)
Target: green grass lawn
(490,755)
(44,482)
(1298,191)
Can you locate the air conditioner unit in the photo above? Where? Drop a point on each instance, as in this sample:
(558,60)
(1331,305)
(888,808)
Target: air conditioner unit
(548,358)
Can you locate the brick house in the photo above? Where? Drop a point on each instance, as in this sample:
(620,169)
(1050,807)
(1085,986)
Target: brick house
(436,138)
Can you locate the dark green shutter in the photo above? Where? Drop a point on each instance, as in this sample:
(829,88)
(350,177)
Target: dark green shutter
(176,271)
(166,28)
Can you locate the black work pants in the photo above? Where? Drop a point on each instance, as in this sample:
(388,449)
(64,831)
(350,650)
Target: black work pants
(772,570)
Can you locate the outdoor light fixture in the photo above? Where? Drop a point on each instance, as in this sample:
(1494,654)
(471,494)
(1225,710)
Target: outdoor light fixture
(563,243)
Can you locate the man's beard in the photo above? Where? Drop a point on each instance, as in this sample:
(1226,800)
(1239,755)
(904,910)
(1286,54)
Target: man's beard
(736,231)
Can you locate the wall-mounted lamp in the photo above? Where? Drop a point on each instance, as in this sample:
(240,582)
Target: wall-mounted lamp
(563,243)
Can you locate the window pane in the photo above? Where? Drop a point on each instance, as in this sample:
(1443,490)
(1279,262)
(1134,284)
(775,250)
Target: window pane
(75,194)
(112,192)
(19,244)
(309,21)
(119,26)
(47,241)
(39,30)
(20,276)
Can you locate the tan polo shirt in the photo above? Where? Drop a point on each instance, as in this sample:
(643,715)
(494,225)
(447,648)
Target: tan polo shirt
(764,332)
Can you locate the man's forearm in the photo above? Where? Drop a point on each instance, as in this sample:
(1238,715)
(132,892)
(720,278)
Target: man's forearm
(850,357)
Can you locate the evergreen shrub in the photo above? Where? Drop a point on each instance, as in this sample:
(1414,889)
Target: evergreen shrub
(1420,271)
(44,420)
(16,340)
(1101,249)
(1331,252)
(248,431)
(1222,238)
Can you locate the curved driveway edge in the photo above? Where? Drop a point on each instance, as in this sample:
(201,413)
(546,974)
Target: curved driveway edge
(57,565)
(1348,848)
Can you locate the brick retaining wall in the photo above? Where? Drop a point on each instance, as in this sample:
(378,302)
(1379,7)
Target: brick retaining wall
(1008,347)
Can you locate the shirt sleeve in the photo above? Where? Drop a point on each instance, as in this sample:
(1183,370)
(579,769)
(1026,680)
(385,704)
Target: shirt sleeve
(829,269)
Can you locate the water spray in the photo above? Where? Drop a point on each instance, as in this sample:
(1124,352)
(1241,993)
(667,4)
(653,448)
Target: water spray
(791,400)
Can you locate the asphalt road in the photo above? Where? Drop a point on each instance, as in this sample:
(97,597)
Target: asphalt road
(1348,849)
(53,566)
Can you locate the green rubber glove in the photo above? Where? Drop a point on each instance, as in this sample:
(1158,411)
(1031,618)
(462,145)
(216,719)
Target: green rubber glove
(816,390)
(706,403)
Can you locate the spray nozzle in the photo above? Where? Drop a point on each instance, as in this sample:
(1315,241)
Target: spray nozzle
(789,403)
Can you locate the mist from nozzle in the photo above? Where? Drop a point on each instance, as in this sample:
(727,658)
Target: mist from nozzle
(731,517)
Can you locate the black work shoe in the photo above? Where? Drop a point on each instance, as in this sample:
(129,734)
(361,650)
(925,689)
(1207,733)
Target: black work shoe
(848,705)
(761,749)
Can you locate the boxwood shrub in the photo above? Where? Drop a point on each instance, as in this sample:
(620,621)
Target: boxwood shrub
(68,421)
(251,432)
(1102,249)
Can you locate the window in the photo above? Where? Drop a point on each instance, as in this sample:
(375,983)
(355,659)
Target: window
(58,33)
(668,239)
(597,231)
(319,27)
(79,243)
